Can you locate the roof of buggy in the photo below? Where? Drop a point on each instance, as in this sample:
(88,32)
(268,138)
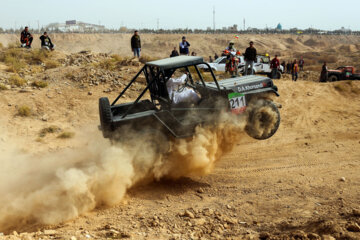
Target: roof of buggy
(176,62)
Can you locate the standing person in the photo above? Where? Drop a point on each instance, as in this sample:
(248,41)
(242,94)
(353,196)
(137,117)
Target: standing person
(174,53)
(250,57)
(210,59)
(295,70)
(274,65)
(324,73)
(288,67)
(46,42)
(216,56)
(283,64)
(136,44)
(184,46)
(26,38)
(301,64)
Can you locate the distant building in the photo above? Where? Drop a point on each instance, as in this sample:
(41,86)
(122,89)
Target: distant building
(75,26)
(279,27)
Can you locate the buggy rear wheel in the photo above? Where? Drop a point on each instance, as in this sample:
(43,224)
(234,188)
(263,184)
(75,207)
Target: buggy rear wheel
(278,75)
(333,78)
(264,119)
(105,116)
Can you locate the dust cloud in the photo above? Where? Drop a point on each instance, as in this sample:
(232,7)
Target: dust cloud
(54,187)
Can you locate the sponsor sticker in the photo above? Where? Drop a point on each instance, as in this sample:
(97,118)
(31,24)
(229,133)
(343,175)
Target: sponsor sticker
(237,103)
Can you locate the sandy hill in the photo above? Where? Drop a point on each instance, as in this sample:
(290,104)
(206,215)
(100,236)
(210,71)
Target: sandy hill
(315,48)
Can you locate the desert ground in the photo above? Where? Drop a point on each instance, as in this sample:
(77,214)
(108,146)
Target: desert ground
(60,179)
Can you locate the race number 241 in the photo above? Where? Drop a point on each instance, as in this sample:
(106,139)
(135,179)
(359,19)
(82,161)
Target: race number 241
(237,103)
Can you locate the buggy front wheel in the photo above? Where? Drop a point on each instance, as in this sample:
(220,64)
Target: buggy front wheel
(263,120)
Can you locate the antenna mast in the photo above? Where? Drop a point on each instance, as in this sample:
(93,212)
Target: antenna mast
(214,25)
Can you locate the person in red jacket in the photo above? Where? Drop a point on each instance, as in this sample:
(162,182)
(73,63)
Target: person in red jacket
(26,38)
(274,65)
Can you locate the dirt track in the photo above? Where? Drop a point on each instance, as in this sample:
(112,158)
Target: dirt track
(289,185)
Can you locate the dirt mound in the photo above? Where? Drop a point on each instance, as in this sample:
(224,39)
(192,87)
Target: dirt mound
(313,43)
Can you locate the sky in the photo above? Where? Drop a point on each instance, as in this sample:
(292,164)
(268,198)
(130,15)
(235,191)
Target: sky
(320,14)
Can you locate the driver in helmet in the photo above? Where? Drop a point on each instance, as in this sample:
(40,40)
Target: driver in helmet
(231,47)
(179,93)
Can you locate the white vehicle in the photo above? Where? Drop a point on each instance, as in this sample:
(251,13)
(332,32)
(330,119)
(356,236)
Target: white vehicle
(262,66)
(220,63)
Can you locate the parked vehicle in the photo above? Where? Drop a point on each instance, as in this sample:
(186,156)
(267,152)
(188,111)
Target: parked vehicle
(343,73)
(262,66)
(219,65)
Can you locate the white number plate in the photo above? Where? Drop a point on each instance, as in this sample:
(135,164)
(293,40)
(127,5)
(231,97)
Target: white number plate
(237,103)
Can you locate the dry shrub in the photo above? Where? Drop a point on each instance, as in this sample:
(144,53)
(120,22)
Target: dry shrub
(24,111)
(2,87)
(51,129)
(39,84)
(145,58)
(347,87)
(328,59)
(14,65)
(51,64)
(17,81)
(37,69)
(69,75)
(313,68)
(108,64)
(66,135)
(37,57)
(18,58)
(1,46)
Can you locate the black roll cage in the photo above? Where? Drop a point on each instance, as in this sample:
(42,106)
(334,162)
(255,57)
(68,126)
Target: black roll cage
(152,73)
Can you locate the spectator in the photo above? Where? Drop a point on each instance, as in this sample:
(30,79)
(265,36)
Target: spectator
(216,56)
(136,44)
(301,64)
(210,59)
(174,53)
(288,67)
(46,42)
(250,57)
(193,54)
(324,73)
(274,65)
(295,70)
(184,46)
(283,64)
(26,38)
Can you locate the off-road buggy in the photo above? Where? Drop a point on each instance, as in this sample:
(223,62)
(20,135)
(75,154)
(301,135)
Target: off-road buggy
(159,114)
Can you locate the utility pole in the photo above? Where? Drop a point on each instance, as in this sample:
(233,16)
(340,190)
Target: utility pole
(38,26)
(157,23)
(214,24)
(244,24)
